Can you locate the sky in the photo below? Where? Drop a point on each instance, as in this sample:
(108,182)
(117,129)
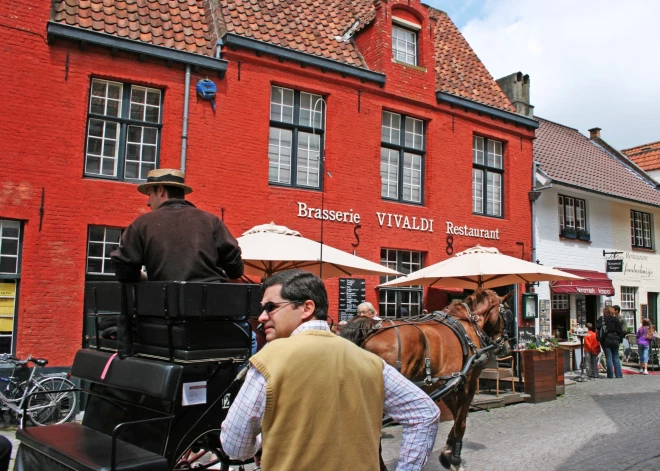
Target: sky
(592,63)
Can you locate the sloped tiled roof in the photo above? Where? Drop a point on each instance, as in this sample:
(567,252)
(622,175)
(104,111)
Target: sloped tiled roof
(647,156)
(308,26)
(459,71)
(177,24)
(569,157)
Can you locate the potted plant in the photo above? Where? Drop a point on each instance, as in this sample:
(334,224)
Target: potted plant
(569,233)
(542,370)
(583,234)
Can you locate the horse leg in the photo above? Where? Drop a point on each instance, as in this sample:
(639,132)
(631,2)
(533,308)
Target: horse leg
(464,400)
(451,401)
(380,457)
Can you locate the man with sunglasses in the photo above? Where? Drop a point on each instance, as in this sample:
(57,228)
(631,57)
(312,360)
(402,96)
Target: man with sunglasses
(310,393)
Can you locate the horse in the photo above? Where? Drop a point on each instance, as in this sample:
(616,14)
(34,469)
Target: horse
(432,349)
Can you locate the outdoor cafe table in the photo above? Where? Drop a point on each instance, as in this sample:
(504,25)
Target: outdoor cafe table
(571,347)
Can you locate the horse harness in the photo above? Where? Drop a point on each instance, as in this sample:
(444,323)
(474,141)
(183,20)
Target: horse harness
(453,323)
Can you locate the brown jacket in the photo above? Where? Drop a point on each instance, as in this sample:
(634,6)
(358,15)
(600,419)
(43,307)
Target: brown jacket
(178,242)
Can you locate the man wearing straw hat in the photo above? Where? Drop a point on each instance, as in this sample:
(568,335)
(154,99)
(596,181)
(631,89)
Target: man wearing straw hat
(176,241)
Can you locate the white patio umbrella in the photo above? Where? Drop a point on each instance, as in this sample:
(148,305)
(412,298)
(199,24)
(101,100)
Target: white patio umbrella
(483,267)
(269,248)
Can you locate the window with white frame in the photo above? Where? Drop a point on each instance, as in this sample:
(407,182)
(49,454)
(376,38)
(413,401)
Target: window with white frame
(560,302)
(487,176)
(404,45)
(572,213)
(10,271)
(402,158)
(101,241)
(123,130)
(10,236)
(400,302)
(295,145)
(641,229)
(628,303)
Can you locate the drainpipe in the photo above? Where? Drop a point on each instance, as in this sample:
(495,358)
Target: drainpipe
(184,131)
(533,197)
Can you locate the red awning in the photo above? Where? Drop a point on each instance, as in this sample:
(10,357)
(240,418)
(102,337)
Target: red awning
(595,283)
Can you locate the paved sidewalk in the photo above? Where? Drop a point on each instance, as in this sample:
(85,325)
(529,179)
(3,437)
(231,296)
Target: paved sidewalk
(599,425)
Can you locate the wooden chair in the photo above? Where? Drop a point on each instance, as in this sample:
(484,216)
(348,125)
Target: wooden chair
(499,368)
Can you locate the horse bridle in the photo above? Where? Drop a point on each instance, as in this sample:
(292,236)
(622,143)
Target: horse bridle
(485,339)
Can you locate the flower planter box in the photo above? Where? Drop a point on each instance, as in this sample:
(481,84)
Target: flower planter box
(569,234)
(541,375)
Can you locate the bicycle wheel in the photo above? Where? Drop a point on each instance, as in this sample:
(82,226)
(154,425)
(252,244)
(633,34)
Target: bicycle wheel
(56,407)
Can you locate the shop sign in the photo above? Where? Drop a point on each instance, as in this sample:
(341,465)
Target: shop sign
(601,291)
(352,293)
(614,266)
(327,214)
(634,265)
(405,222)
(472,231)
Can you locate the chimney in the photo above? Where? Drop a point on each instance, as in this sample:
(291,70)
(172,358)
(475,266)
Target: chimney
(516,87)
(594,133)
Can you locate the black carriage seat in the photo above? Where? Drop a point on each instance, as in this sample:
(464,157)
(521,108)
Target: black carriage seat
(86,447)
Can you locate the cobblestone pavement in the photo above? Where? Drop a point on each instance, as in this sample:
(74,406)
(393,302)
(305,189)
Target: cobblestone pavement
(599,425)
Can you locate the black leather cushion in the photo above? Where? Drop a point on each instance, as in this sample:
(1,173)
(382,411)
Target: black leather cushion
(154,378)
(83,449)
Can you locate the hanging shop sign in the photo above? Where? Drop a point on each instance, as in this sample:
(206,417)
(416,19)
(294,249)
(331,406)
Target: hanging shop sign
(614,266)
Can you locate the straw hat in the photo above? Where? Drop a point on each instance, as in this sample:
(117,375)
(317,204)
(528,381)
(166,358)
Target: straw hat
(165,177)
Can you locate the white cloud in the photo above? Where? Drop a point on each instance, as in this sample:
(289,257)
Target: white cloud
(592,63)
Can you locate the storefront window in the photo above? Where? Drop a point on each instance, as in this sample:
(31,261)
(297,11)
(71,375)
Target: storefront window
(10,269)
(405,301)
(560,301)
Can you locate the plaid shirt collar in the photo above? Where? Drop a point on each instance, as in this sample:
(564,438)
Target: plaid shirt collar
(314,324)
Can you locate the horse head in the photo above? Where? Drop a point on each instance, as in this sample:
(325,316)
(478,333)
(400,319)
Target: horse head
(358,329)
(492,315)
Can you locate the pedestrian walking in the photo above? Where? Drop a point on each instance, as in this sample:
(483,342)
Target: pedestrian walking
(610,334)
(644,338)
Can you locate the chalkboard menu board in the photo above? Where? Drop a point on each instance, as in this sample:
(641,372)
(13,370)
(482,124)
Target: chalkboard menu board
(352,293)
(525,335)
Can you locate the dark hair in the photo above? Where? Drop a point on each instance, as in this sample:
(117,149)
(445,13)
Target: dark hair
(300,286)
(609,311)
(616,308)
(590,326)
(174,192)
(646,322)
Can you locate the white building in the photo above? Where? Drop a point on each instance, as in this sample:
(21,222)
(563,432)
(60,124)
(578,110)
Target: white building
(594,204)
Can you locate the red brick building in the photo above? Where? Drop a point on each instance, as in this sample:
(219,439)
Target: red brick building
(412,133)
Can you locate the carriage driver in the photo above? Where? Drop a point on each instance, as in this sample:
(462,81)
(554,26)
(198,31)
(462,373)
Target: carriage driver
(317,399)
(176,241)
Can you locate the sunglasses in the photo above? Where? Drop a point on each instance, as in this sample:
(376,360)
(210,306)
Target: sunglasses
(270,306)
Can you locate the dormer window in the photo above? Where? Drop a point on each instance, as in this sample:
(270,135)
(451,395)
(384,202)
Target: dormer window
(404,45)
(404,38)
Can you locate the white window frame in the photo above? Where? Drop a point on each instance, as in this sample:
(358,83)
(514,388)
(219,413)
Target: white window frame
(127,114)
(6,240)
(404,44)
(402,157)
(107,246)
(487,177)
(296,138)
(629,303)
(398,298)
(641,229)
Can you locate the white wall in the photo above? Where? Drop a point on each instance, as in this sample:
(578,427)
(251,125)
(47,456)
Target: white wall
(608,221)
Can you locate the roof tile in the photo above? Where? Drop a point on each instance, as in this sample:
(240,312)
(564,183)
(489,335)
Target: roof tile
(569,157)
(150,21)
(647,156)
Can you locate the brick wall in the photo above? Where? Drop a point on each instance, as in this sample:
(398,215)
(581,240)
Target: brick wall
(227,166)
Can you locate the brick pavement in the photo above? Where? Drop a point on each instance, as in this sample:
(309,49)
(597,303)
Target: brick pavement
(600,425)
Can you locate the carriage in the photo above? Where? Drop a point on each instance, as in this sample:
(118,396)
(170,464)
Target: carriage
(157,394)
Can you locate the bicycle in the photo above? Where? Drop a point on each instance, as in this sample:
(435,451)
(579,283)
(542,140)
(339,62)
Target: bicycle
(54,407)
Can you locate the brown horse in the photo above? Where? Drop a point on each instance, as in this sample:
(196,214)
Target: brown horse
(482,317)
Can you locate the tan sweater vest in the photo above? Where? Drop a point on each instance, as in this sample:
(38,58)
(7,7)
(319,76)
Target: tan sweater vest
(324,404)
